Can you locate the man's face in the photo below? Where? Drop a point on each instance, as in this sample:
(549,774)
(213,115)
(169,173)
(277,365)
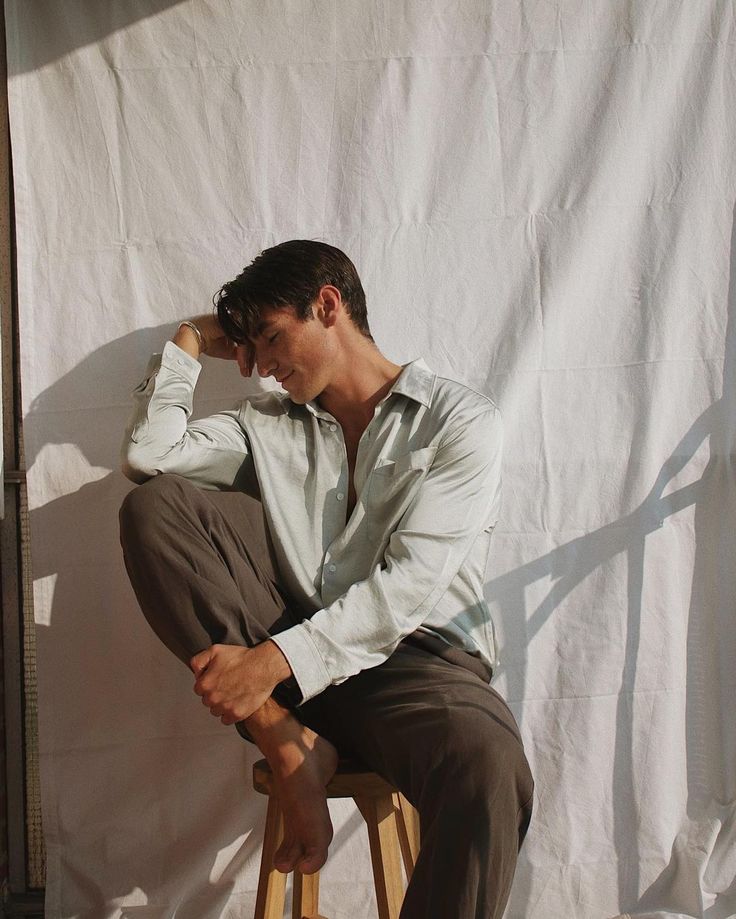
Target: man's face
(295,353)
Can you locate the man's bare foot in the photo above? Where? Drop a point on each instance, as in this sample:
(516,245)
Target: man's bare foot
(302,763)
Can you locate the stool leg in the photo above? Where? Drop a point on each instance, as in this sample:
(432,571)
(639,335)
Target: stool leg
(408,826)
(380,816)
(305,903)
(271,882)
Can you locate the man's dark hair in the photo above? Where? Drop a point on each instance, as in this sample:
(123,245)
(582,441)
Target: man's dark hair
(290,274)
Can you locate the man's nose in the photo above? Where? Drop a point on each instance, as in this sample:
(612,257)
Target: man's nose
(266,365)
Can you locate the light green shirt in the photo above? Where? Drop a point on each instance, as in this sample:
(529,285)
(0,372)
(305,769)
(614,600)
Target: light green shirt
(414,551)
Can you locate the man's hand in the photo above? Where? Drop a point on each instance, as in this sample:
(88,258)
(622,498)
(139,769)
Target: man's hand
(235,681)
(216,344)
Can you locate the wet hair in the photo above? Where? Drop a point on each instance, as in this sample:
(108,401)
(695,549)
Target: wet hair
(289,275)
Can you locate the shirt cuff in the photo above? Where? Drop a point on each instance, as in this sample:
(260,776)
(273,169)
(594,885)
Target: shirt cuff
(305,661)
(175,358)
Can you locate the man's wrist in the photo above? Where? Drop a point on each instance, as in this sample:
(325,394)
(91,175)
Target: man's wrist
(277,661)
(186,339)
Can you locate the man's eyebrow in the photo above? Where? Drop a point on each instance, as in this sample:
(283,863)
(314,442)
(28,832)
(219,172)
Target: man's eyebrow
(262,326)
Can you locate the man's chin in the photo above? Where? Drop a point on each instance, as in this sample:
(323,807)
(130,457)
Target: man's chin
(300,397)
(299,393)
(295,395)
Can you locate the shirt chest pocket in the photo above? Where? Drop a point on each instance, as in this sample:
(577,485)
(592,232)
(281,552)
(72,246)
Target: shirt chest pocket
(394,484)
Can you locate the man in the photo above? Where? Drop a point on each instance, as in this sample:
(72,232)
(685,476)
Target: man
(316,556)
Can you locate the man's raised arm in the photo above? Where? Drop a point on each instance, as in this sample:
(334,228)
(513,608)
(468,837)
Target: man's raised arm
(212,452)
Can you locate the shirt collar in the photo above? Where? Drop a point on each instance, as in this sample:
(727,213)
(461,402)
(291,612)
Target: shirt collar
(416,381)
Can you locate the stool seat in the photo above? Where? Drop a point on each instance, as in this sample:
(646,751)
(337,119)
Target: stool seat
(393,834)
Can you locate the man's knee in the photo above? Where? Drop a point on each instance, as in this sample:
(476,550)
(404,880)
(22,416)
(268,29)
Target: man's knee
(141,510)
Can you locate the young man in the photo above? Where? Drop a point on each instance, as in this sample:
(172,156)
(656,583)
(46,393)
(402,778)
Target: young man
(316,556)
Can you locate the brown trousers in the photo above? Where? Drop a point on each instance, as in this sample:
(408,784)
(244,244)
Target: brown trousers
(201,566)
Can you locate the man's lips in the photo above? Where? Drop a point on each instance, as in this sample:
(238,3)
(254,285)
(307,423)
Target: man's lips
(284,378)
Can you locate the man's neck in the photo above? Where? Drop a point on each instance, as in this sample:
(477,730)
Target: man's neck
(363,378)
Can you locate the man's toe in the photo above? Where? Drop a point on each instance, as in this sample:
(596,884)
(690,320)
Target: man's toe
(287,855)
(312,861)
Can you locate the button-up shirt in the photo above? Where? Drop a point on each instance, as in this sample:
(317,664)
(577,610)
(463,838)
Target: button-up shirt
(411,556)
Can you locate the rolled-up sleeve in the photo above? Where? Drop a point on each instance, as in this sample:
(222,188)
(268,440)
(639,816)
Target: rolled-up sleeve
(458,499)
(159,437)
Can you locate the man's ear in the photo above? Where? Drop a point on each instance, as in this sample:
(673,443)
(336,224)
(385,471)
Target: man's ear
(328,305)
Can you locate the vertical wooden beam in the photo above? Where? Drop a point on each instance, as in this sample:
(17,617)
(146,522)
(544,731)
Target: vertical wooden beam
(9,528)
(23,895)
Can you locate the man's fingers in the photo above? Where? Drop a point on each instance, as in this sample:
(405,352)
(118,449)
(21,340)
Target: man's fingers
(200,661)
(224,682)
(223,711)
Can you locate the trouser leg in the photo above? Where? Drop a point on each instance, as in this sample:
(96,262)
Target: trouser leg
(449,742)
(202,569)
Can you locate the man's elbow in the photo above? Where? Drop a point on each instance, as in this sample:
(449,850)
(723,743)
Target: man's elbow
(135,465)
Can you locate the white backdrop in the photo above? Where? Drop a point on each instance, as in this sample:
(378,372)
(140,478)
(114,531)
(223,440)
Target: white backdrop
(540,200)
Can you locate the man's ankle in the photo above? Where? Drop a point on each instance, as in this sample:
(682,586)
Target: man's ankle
(270,719)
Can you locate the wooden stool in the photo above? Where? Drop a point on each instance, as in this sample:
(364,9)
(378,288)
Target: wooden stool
(393,826)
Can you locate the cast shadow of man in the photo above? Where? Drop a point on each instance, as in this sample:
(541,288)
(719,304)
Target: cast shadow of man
(119,685)
(121,689)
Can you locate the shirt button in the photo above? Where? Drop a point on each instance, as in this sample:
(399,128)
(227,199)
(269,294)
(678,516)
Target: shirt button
(340,496)
(332,567)
(333,427)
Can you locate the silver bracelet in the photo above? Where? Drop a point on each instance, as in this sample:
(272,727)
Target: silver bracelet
(193,327)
